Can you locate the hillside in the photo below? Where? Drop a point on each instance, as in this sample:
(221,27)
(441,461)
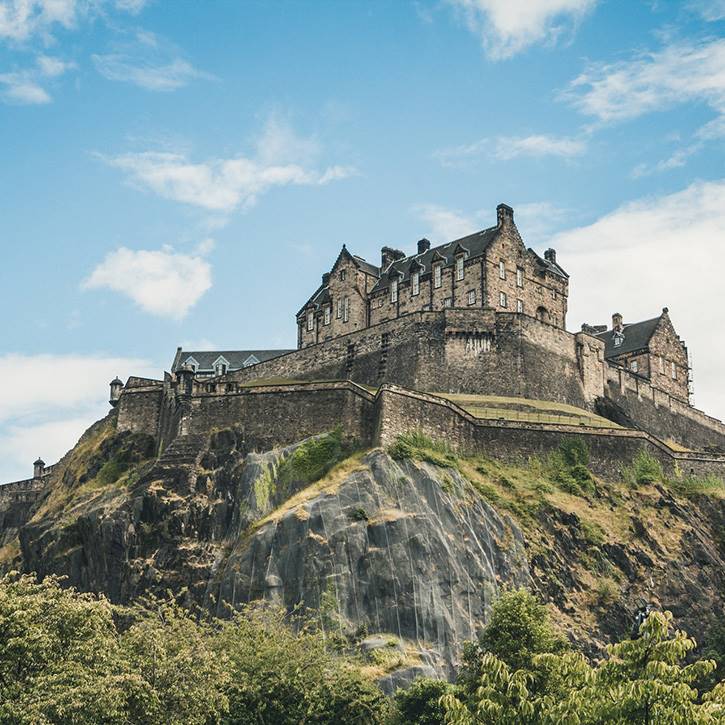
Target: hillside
(408,545)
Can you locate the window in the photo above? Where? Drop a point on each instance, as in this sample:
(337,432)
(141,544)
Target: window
(459,268)
(662,364)
(310,321)
(327,314)
(519,277)
(502,300)
(191,363)
(343,274)
(471,296)
(502,270)
(448,302)
(519,305)
(618,339)
(437,276)
(553,294)
(415,283)
(221,369)
(338,314)
(346,309)
(673,371)
(634,366)
(393,290)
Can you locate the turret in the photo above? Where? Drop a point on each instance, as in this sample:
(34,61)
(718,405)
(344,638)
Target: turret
(116,388)
(38,468)
(185,379)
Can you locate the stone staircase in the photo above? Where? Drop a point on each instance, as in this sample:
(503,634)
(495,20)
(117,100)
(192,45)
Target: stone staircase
(182,451)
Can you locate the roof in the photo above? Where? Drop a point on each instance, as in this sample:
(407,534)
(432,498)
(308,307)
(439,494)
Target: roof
(636,337)
(474,244)
(236,359)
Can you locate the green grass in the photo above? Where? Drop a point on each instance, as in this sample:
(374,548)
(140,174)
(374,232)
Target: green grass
(420,447)
(709,485)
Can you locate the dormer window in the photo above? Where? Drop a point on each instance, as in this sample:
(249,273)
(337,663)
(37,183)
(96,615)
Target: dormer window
(501,270)
(415,283)
(310,321)
(393,290)
(437,276)
(519,277)
(459,268)
(618,339)
(221,365)
(191,364)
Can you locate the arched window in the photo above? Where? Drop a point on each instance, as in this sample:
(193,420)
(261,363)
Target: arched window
(542,314)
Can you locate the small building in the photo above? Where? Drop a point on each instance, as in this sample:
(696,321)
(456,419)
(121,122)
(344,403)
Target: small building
(651,349)
(210,363)
(491,269)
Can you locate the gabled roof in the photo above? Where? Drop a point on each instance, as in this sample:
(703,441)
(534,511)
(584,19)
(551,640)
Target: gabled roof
(236,358)
(635,337)
(474,244)
(549,265)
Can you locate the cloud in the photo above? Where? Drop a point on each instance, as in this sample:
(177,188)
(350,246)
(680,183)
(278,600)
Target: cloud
(505,148)
(506,27)
(163,282)
(25,87)
(446,224)
(652,253)
(148,62)
(710,10)
(679,73)
(39,416)
(674,161)
(222,185)
(20,20)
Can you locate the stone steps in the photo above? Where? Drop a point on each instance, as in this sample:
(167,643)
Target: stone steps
(182,451)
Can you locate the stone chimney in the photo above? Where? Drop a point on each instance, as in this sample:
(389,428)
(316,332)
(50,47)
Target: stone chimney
(550,255)
(504,214)
(38,468)
(617,322)
(325,279)
(388,255)
(116,388)
(423,246)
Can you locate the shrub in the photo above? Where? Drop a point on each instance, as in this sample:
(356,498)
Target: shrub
(420,703)
(418,446)
(645,469)
(692,485)
(606,593)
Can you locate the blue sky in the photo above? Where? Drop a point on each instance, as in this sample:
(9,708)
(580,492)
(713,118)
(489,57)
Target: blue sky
(181,173)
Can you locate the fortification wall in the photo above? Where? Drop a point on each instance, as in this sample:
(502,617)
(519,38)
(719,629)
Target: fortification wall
(139,407)
(272,416)
(659,413)
(611,450)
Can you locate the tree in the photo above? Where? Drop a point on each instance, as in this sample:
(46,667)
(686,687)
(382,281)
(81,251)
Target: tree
(421,703)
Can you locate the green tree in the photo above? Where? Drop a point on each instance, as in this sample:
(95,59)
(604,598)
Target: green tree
(421,703)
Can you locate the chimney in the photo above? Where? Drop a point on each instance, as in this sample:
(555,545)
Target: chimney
(504,214)
(550,255)
(39,468)
(423,246)
(617,322)
(325,279)
(388,255)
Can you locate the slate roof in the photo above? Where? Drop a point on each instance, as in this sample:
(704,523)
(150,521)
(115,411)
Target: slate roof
(235,358)
(636,337)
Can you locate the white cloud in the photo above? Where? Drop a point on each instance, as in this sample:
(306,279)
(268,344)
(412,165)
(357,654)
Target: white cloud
(163,282)
(506,27)
(223,185)
(446,224)
(39,416)
(710,10)
(20,20)
(505,148)
(679,73)
(25,87)
(149,62)
(21,89)
(675,160)
(652,253)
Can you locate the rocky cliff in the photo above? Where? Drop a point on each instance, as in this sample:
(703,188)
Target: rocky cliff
(399,551)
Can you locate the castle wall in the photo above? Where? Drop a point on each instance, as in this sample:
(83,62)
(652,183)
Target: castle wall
(661,414)
(273,416)
(139,407)
(611,450)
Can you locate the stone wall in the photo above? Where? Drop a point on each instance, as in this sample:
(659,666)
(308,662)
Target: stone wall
(139,407)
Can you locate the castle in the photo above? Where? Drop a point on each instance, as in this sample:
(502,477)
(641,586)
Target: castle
(381,349)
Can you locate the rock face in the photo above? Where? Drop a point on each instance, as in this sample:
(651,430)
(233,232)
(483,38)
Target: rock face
(403,556)
(402,548)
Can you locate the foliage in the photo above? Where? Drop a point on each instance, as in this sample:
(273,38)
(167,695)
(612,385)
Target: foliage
(418,446)
(644,469)
(642,680)
(693,485)
(568,467)
(421,703)
(518,630)
(67,657)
